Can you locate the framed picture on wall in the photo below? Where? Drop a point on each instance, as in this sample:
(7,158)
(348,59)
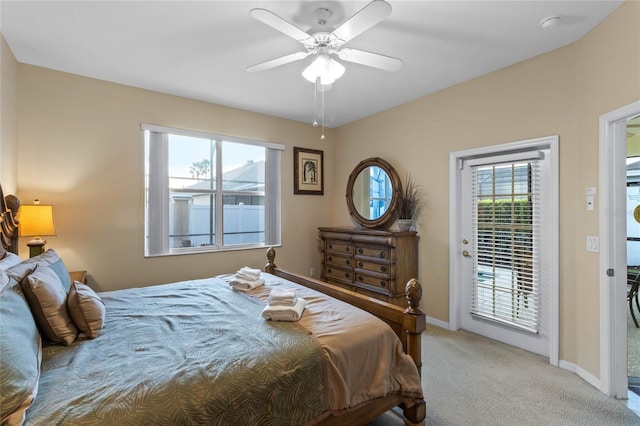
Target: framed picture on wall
(308,171)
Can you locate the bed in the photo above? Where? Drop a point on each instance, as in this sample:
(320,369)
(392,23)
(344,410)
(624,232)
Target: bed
(199,352)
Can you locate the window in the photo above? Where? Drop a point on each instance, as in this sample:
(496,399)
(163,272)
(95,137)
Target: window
(206,192)
(506,230)
(380,192)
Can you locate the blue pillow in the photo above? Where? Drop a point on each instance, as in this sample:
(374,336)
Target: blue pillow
(61,271)
(9,260)
(21,350)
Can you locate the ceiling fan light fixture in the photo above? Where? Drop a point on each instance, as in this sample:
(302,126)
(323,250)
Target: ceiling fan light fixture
(325,67)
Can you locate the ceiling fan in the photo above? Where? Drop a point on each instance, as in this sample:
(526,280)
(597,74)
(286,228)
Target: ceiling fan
(324,70)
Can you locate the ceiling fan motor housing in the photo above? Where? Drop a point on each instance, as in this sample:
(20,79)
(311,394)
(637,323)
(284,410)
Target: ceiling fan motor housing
(323,40)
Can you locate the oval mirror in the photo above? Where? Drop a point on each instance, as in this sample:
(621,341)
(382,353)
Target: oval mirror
(373,191)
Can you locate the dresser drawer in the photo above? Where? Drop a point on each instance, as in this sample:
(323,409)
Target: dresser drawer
(381,283)
(380,268)
(337,273)
(332,259)
(375,262)
(377,252)
(339,247)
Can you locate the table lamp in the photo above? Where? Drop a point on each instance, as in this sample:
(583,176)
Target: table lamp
(36,221)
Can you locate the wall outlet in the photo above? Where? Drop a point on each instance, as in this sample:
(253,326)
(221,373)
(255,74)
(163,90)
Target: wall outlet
(312,272)
(593,244)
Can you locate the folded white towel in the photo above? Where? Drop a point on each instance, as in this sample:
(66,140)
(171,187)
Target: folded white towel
(280,296)
(284,302)
(284,313)
(241,284)
(248,273)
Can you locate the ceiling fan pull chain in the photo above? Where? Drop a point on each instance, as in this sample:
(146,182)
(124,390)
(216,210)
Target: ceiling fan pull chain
(322,117)
(315,102)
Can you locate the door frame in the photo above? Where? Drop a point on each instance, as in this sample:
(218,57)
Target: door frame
(455,231)
(613,249)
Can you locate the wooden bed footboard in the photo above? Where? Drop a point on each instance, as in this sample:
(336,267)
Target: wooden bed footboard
(407,323)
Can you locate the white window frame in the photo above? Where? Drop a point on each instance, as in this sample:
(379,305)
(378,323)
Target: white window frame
(156,191)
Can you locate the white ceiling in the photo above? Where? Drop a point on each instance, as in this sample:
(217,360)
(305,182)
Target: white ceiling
(200,49)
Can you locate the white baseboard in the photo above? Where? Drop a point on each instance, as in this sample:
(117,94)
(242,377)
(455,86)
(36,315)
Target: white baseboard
(566,365)
(582,373)
(437,322)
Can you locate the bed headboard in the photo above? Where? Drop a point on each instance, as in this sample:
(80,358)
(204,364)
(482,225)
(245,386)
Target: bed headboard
(9,207)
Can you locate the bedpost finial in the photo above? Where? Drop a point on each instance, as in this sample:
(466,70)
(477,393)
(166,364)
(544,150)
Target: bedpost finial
(271,255)
(13,204)
(413,292)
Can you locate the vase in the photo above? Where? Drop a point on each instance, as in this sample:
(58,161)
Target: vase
(405,224)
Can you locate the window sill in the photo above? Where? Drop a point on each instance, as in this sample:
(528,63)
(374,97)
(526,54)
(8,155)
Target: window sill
(203,250)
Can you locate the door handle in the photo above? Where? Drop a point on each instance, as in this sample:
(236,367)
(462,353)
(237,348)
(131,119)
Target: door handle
(466,253)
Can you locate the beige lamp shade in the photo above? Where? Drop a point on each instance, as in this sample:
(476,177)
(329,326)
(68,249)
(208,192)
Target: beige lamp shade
(36,221)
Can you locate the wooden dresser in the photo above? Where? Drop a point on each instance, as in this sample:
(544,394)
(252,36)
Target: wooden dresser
(373,262)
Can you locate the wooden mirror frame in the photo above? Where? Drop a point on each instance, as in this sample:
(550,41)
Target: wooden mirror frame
(384,221)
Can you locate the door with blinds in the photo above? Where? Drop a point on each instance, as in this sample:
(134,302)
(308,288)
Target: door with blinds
(504,295)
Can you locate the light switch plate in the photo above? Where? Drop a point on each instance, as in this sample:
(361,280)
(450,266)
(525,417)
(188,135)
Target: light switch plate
(593,244)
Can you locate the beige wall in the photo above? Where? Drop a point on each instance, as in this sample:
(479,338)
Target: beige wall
(80,149)
(607,77)
(8,138)
(560,93)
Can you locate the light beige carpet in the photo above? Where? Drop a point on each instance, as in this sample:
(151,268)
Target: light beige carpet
(471,380)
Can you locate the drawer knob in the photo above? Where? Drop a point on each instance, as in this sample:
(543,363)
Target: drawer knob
(348,262)
(360,251)
(330,246)
(347,248)
(383,284)
(330,258)
(359,277)
(346,274)
(329,270)
(381,255)
(383,269)
(360,264)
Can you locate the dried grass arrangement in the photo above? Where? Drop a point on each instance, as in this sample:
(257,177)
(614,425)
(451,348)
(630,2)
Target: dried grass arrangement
(410,200)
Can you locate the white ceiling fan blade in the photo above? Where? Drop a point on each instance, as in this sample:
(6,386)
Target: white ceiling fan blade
(278,61)
(366,18)
(375,60)
(279,24)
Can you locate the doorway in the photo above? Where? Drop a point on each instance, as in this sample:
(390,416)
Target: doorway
(613,253)
(633,254)
(503,244)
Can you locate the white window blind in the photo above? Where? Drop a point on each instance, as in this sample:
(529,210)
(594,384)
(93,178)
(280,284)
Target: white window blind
(506,231)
